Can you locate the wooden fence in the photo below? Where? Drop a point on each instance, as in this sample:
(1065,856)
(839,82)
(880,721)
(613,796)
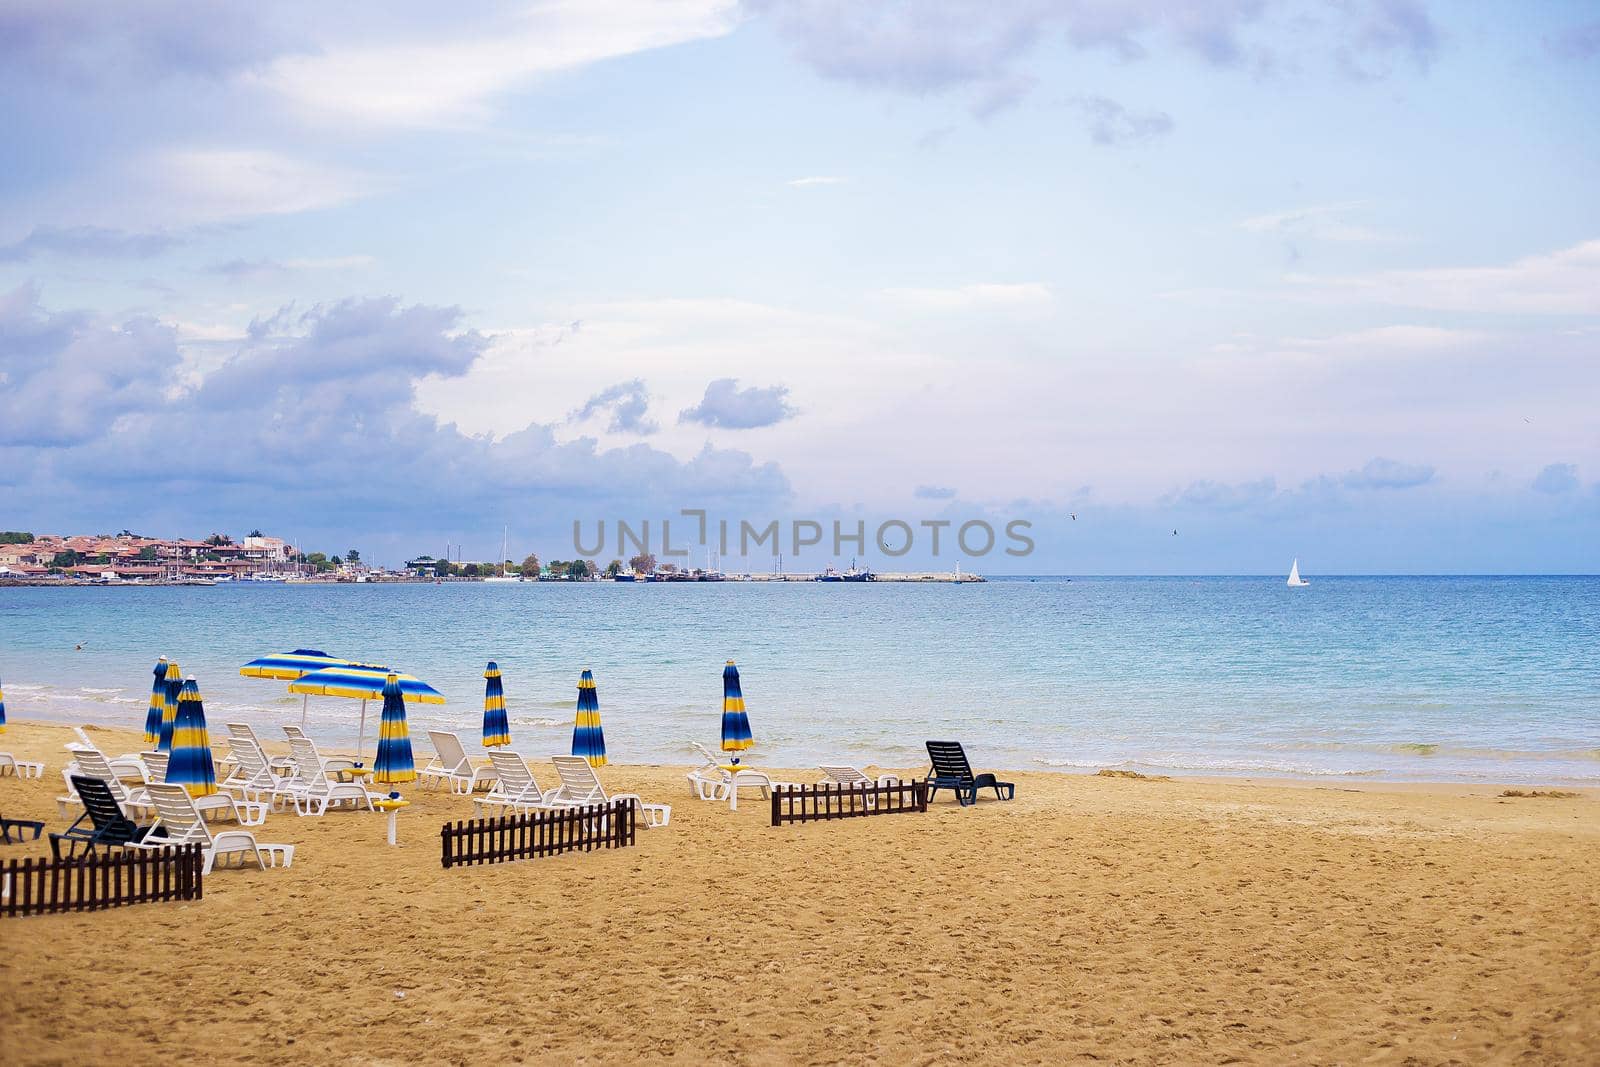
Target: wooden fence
(538,833)
(809,803)
(103,879)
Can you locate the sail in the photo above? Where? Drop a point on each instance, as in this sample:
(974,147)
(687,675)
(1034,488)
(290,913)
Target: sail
(1294,573)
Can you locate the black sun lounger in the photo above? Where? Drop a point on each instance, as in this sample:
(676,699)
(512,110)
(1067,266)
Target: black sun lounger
(952,771)
(107,824)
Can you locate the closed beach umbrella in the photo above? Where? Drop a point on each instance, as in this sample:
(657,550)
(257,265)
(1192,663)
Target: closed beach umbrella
(2,710)
(588,740)
(158,704)
(735,725)
(169,709)
(363,682)
(190,765)
(393,765)
(496,730)
(287,666)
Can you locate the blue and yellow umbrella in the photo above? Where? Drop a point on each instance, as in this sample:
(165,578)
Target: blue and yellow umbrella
(191,765)
(588,740)
(169,707)
(287,666)
(496,730)
(363,682)
(2,710)
(158,704)
(394,765)
(736,735)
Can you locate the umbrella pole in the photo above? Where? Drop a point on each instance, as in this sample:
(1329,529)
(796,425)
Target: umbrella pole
(361,737)
(304,697)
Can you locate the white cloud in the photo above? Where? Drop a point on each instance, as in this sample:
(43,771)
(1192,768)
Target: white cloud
(440,80)
(201,185)
(1320,223)
(1564,282)
(982,295)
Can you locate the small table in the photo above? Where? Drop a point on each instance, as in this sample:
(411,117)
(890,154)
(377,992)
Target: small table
(393,808)
(351,774)
(733,770)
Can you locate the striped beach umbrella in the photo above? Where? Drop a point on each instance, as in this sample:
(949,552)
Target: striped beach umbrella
(394,765)
(158,704)
(169,708)
(496,730)
(287,666)
(191,765)
(588,740)
(735,724)
(363,682)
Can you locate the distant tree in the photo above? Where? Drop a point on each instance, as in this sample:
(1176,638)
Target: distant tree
(644,563)
(316,559)
(613,568)
(148,554)
(354,556)
(61,560)
(337,560)
(15,537)
(668,568)
(101,558)
(470,570)
(219,539)
(557,568)
(530,566)
(255,533)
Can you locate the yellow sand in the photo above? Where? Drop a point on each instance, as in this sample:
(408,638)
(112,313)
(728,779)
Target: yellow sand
(1115,919)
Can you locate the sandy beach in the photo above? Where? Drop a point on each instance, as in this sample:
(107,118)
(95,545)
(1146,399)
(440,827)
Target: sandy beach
(1093,918)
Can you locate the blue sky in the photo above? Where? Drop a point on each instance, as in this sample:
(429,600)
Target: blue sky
(1316,279)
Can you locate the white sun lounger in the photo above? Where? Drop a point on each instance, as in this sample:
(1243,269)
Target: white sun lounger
(851,777)
(329,763)
(182,823)
(514,788)
(580,787)
(20,767)
(312,791)
(451,765)
(92,763)
(712,781)
(126,765)
(253,778)
(245,812)
(242,731)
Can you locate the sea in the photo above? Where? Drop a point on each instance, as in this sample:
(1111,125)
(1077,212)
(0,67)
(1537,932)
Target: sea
(1485,679)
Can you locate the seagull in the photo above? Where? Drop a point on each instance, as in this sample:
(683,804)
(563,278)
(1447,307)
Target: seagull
(1174,533)
(1074,516)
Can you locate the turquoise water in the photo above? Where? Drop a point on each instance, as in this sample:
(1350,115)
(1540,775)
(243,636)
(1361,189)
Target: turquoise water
(1394,678)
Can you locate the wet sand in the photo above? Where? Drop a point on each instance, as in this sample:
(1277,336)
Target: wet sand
(1093,918)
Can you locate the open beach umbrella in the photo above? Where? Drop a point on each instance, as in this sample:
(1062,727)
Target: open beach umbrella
(169,708)
(394,764)
(588,740)
(496,730)
(190,765)
(735,725)
(158,704)
(287,666)
(363,682)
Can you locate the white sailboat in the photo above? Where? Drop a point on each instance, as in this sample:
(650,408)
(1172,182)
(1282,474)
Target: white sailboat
(503,576)
(1295,580)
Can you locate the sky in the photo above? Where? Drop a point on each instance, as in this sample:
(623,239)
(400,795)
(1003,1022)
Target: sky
(1191,288)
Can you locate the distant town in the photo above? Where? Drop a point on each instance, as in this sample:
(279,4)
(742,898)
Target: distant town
(131,559)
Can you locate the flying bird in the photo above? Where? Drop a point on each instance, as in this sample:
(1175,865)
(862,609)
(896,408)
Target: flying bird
(1174,533)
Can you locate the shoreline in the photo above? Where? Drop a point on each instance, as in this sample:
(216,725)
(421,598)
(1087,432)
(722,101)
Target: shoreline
(1353,783)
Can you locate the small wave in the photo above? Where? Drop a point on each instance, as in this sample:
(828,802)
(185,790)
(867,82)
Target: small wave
(520,720)
(1416,749)
(92,689)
